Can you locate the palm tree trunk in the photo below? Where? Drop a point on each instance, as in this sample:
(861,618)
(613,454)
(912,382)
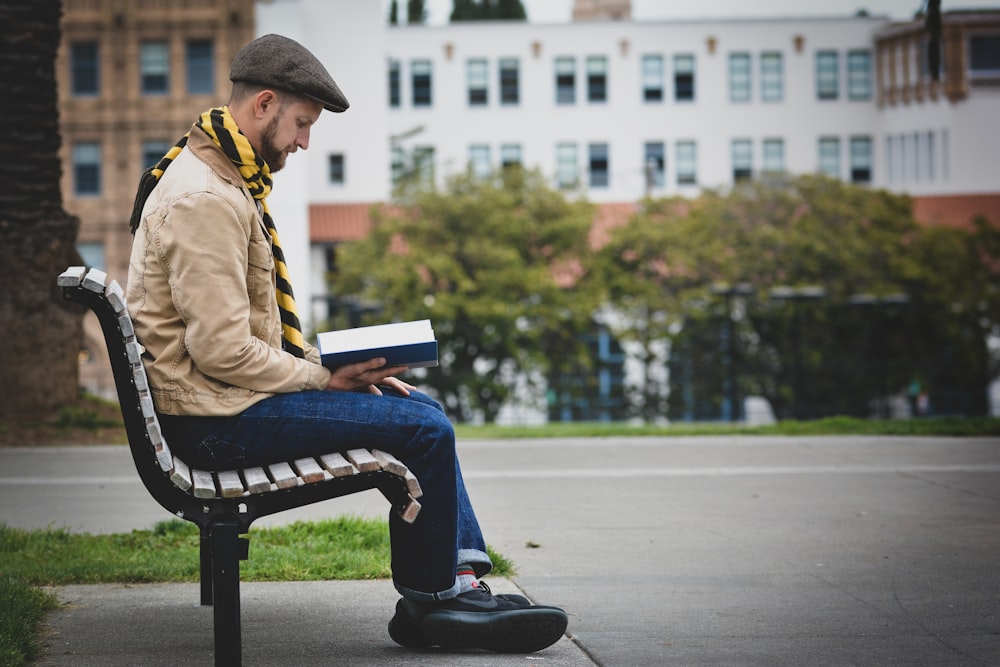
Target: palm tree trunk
(41,333)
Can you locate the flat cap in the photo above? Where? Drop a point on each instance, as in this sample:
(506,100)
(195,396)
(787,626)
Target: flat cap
(279,62)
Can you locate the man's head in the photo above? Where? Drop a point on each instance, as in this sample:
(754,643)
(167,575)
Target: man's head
(279,91)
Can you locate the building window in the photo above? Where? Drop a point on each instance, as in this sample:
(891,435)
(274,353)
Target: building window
(476,74)
(599,175)
(87,169)
(510,81)
(85,69)
(683,77)
(774,156)
(772,84)
(655,164)
(931,157)
(200,67)
(742,158)
(890,156)
(827,75)
(739,77)
(92,254)
(565,80)
(567,166)
(153,152)
(510,155)
(597,79)
(984,57)
(479,160)
(420,71)
(687,162)
(397,166)
(423,164)
(335,163)
(859,75)
(861,160)
(154,68)
(829,156)
(652,78)
(395,96)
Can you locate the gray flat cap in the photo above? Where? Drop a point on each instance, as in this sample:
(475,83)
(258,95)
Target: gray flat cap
(283,63)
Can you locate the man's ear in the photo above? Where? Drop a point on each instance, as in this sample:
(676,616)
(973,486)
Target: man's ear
(264,103)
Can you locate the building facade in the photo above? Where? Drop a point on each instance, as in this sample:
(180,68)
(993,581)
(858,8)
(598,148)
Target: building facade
(133,75)
(609,108)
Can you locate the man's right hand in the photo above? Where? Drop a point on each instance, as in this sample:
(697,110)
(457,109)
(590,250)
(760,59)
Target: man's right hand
(364,376)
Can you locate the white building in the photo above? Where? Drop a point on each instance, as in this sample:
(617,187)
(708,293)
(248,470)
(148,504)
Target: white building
(624,109)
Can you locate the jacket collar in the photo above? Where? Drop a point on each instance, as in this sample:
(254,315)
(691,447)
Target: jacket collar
(206,150)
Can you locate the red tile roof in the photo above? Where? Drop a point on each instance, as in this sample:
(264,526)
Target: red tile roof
(957,210)
(335,223)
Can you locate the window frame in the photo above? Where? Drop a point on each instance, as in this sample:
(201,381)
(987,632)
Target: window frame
(861,161)
(772,76)
(87,158)
(565,80)
(685,155)
(199,69)
(827,75)
(740,77)
(567,165)
(85,69)
(652,73)
(336,165)
(828,158)
(684,79)
(422,83)
(599,165)
(741,159)
(477,85)
(859,75)
(154,68)
(510,81)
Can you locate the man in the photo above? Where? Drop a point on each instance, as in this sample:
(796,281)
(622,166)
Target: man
(236,385)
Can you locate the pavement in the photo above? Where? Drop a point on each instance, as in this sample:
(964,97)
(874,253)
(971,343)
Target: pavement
(770,551)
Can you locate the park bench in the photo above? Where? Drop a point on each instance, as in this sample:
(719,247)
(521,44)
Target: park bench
(224,503)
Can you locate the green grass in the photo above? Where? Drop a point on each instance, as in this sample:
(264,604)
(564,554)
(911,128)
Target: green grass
(938,426)
(343,548)
(22,611)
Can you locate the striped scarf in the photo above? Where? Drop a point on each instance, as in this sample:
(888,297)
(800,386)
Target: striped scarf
(220,126)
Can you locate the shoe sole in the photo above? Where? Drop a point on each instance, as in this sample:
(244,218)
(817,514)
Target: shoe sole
(515,631)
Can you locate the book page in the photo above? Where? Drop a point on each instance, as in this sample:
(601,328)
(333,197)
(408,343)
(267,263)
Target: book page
(379,335)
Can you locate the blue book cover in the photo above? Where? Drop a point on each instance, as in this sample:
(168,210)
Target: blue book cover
(409,344)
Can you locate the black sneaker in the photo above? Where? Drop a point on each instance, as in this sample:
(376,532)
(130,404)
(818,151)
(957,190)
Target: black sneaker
(478,619)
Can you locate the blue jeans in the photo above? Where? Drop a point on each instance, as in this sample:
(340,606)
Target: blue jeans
(413,428)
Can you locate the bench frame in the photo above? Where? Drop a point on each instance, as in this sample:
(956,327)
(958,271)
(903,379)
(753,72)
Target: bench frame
(222,520)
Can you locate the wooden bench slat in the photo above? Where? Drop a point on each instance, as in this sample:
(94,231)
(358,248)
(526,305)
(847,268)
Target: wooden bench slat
(95,281)
(309,471)
(363,460)
(204,484)
(134,352)
(230,484)
(409,512)
(256,480)
(71,277)
(393,465)
(337,465)
(283,475)
(146,404)
(116,297)
(181,475)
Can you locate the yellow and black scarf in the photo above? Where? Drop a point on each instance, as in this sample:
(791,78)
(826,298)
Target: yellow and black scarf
(220,126)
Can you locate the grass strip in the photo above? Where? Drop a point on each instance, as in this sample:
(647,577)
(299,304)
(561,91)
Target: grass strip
(934,426)
(341,548)
(22,611)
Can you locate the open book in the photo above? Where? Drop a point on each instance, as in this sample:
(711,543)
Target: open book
(401,344)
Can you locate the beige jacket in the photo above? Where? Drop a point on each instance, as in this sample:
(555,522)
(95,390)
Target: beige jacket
(201,291)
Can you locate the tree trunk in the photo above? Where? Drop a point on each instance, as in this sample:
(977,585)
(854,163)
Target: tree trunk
(41,333)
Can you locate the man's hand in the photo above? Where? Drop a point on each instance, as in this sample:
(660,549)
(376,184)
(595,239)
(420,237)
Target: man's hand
(366,376)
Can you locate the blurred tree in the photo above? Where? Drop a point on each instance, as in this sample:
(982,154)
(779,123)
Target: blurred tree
(497,265)
(40,353)
(892,301)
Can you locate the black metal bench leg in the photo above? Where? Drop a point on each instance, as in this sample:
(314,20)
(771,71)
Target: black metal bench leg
(226,548)
(206,566)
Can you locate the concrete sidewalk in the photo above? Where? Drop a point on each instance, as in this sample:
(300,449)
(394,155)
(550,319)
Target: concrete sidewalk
(682,551)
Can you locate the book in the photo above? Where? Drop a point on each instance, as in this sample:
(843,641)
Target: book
(409,344)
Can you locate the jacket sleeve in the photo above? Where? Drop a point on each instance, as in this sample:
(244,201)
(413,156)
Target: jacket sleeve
(220,264)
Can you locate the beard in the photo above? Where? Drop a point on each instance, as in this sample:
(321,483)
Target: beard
(271,154)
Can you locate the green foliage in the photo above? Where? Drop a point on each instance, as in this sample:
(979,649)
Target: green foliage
(498,266)
(902,303)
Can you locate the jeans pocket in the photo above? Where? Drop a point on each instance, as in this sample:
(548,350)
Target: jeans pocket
(218,454)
